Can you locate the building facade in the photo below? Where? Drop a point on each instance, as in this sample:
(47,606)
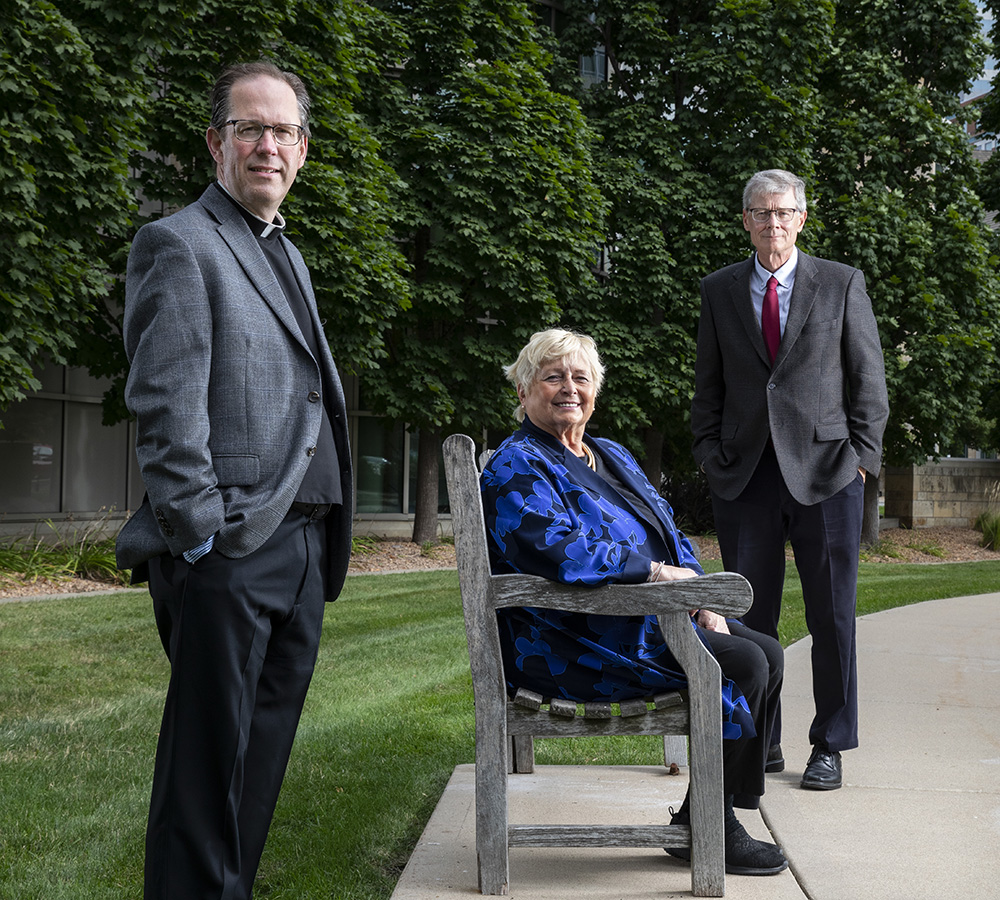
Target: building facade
(59,464)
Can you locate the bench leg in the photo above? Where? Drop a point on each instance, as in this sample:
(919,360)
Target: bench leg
(675,750)
(491,811)
(523,753)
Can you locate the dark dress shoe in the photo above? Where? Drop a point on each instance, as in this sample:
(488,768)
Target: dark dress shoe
(823,771)
(775,760)
(744,855)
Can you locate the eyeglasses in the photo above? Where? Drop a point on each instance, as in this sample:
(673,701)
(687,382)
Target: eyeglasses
(250,132)
(764,215)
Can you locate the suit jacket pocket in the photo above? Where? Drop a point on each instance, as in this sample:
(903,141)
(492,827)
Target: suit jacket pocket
(832,431)
(232,470)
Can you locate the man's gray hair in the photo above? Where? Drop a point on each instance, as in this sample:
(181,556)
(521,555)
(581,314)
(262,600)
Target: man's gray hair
(774,181)
(223,88)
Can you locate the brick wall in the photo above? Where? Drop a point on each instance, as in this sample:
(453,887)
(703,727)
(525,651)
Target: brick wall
(949,493)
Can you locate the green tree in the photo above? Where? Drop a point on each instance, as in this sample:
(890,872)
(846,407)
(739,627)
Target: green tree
(66,129)
(698,96)
(861,99)
(158,63)
(896,195)
(989,190)
(496,213)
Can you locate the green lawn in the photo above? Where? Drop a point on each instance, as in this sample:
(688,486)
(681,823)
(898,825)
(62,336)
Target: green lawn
(388,717)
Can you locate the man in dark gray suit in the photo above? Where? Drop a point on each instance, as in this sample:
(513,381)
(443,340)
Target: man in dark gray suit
(245,531)
(789,409)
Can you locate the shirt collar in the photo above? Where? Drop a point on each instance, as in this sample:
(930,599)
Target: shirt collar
(785,274)
(258,226)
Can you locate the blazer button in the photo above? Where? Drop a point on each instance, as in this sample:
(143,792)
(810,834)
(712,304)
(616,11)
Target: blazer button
(165,527)
(311,451)
(314,396)
(771,386)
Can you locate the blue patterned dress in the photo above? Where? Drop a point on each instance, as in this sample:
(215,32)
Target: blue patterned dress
(549,514)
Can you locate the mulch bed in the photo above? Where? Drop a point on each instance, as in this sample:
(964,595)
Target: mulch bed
(896,545)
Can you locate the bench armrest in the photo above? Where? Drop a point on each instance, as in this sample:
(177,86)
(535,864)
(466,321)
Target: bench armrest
(725,593)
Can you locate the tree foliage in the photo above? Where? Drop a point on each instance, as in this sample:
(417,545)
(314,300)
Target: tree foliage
(859,98)
(67,126)
(159,62)
(896,196)
(463,177)
(699,95)
(496,213)
(495,208)
(989,190)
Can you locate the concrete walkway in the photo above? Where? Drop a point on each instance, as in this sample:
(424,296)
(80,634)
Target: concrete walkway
(918,817)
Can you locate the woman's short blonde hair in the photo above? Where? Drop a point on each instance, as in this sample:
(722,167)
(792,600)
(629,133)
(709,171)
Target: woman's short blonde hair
(553,345)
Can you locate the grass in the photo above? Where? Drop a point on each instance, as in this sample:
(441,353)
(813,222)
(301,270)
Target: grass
(388,717)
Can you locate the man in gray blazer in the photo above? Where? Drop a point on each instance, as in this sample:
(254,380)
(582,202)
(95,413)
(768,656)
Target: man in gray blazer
(789,409)
(245,531)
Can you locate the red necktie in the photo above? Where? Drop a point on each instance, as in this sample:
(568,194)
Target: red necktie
(770,320)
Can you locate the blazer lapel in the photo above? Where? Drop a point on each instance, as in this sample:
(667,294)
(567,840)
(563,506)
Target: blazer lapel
(237,234)
(804,295)
(739,295)
(305,284)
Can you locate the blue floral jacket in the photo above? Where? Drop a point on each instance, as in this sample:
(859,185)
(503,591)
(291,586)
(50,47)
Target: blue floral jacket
(548,514)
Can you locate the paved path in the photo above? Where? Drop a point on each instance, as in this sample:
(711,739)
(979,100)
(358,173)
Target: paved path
(917,819)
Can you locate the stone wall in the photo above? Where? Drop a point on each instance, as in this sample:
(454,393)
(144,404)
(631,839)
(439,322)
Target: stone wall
(949,493)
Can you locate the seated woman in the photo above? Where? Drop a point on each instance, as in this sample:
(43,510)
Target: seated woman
(576,509)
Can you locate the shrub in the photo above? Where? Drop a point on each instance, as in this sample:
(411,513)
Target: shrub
(988,521)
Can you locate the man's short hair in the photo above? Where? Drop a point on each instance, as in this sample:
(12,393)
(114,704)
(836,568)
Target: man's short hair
(223,88)
(775,181)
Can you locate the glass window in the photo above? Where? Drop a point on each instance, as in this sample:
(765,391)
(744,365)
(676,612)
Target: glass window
(593,69)
(50,375)
(96,460)
(81,383)
(31,457)
(380,466)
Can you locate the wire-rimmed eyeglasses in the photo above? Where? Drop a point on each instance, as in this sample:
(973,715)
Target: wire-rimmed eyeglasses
(764,215)
(250,131)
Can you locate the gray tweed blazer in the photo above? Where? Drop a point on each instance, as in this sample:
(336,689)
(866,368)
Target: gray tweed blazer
(222,387)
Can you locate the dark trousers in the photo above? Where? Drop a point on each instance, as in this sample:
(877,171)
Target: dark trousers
(242,637)
(826,541)
(756,663)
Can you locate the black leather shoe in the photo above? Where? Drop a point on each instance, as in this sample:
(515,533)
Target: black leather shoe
(823,771)
(775,760)
(744,855)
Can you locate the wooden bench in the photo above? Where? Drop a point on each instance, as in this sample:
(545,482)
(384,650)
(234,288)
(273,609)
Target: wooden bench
(696,712)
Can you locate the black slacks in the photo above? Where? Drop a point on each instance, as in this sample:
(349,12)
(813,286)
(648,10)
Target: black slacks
(242,637)
(826,541)
(756,663)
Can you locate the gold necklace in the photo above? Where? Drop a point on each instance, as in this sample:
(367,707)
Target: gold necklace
(591,462)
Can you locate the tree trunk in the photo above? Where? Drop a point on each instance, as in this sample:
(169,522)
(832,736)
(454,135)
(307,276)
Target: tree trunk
(869,519)
(425,519)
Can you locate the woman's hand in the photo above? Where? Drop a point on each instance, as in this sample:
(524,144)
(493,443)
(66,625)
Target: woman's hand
(662,572)
(711,621)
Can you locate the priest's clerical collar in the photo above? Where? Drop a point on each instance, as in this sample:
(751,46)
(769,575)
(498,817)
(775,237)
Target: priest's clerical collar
(258,226)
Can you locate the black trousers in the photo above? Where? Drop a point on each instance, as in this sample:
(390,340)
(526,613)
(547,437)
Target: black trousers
(756,663)
(826,541)
(242,637)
